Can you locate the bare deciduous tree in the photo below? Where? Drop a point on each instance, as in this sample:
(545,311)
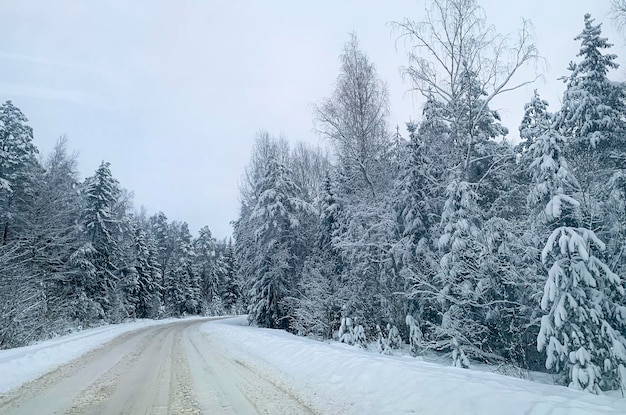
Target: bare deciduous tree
(455,37)
(618,13)
(355,119)
(455,42)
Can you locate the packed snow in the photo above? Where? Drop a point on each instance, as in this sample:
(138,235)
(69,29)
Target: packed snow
(23,364)
(342,379)
(336,378)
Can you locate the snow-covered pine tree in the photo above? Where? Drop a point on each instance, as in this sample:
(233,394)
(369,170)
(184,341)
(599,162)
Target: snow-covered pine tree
(164,244)
(578,331)
(183,284)
(593,118)
(102,227)
(22,290)
(418,203)
(276,220)
(18,164)
(208,266)
(146,268)
(55,235)
(535,121)
(461,321)
(231,289)
(592,113)
(415,335)
(318,310)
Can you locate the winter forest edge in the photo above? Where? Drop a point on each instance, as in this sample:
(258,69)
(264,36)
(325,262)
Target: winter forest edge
(450,240)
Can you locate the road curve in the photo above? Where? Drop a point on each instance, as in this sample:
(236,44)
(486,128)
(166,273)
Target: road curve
(169,369)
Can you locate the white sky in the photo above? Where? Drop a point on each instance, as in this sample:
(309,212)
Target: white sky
(172,93)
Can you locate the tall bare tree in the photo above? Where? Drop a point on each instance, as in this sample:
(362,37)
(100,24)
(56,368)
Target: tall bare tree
(618,11)
(355,119)
(454,43)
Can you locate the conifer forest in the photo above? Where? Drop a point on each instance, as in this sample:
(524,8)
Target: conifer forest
(448,235)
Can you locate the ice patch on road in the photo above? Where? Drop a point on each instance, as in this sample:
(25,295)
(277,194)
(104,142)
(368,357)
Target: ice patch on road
(341,379)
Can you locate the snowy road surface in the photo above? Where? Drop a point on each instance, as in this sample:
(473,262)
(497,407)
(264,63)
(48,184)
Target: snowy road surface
(203,366)
(167,369)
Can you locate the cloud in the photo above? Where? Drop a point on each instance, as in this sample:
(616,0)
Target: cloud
(65,95)
(33,59)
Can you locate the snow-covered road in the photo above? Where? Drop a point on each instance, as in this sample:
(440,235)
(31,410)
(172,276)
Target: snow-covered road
(209,366)
(166,369)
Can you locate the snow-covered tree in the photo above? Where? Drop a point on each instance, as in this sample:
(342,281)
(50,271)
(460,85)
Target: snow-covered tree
(18,164)
(580,332)
(208,265)
(355,119)
(459,274)
(592,113)
(182,285)
(273,266)
(102,228)
(231,288)
(54,236)
(148,276)
(164,243)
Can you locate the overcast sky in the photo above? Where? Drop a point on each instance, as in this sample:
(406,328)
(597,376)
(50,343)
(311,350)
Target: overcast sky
(172,93)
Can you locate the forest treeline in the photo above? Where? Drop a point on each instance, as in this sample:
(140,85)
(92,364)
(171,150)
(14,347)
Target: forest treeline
(446,237)
(452,239)
(75,254)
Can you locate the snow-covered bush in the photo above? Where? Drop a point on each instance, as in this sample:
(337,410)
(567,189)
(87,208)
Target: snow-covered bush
(346,331)
(415,334)
(458,355)
(359,336)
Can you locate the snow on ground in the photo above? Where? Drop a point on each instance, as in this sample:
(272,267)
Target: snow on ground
(336,378)
(341,379)
(23,364)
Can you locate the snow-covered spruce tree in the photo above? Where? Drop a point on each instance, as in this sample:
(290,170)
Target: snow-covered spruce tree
(164,240)
(418,205)
(102,227)
(244,228)
(207,265)
(147,271)
(592,113)
(55,237)
(466,283)
(275,218)
(231,288)
(578,332)
(511,245)
(459,76)
(18,164)
(415,335)
(318,312)
(534,123)
(458,276)
(22,293)
(593,118)
(183,286)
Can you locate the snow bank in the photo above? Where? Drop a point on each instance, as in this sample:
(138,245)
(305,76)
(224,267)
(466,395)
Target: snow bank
(23,364)
(359,382)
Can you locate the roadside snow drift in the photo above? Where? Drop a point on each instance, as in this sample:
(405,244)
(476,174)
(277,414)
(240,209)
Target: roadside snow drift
(340,379)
